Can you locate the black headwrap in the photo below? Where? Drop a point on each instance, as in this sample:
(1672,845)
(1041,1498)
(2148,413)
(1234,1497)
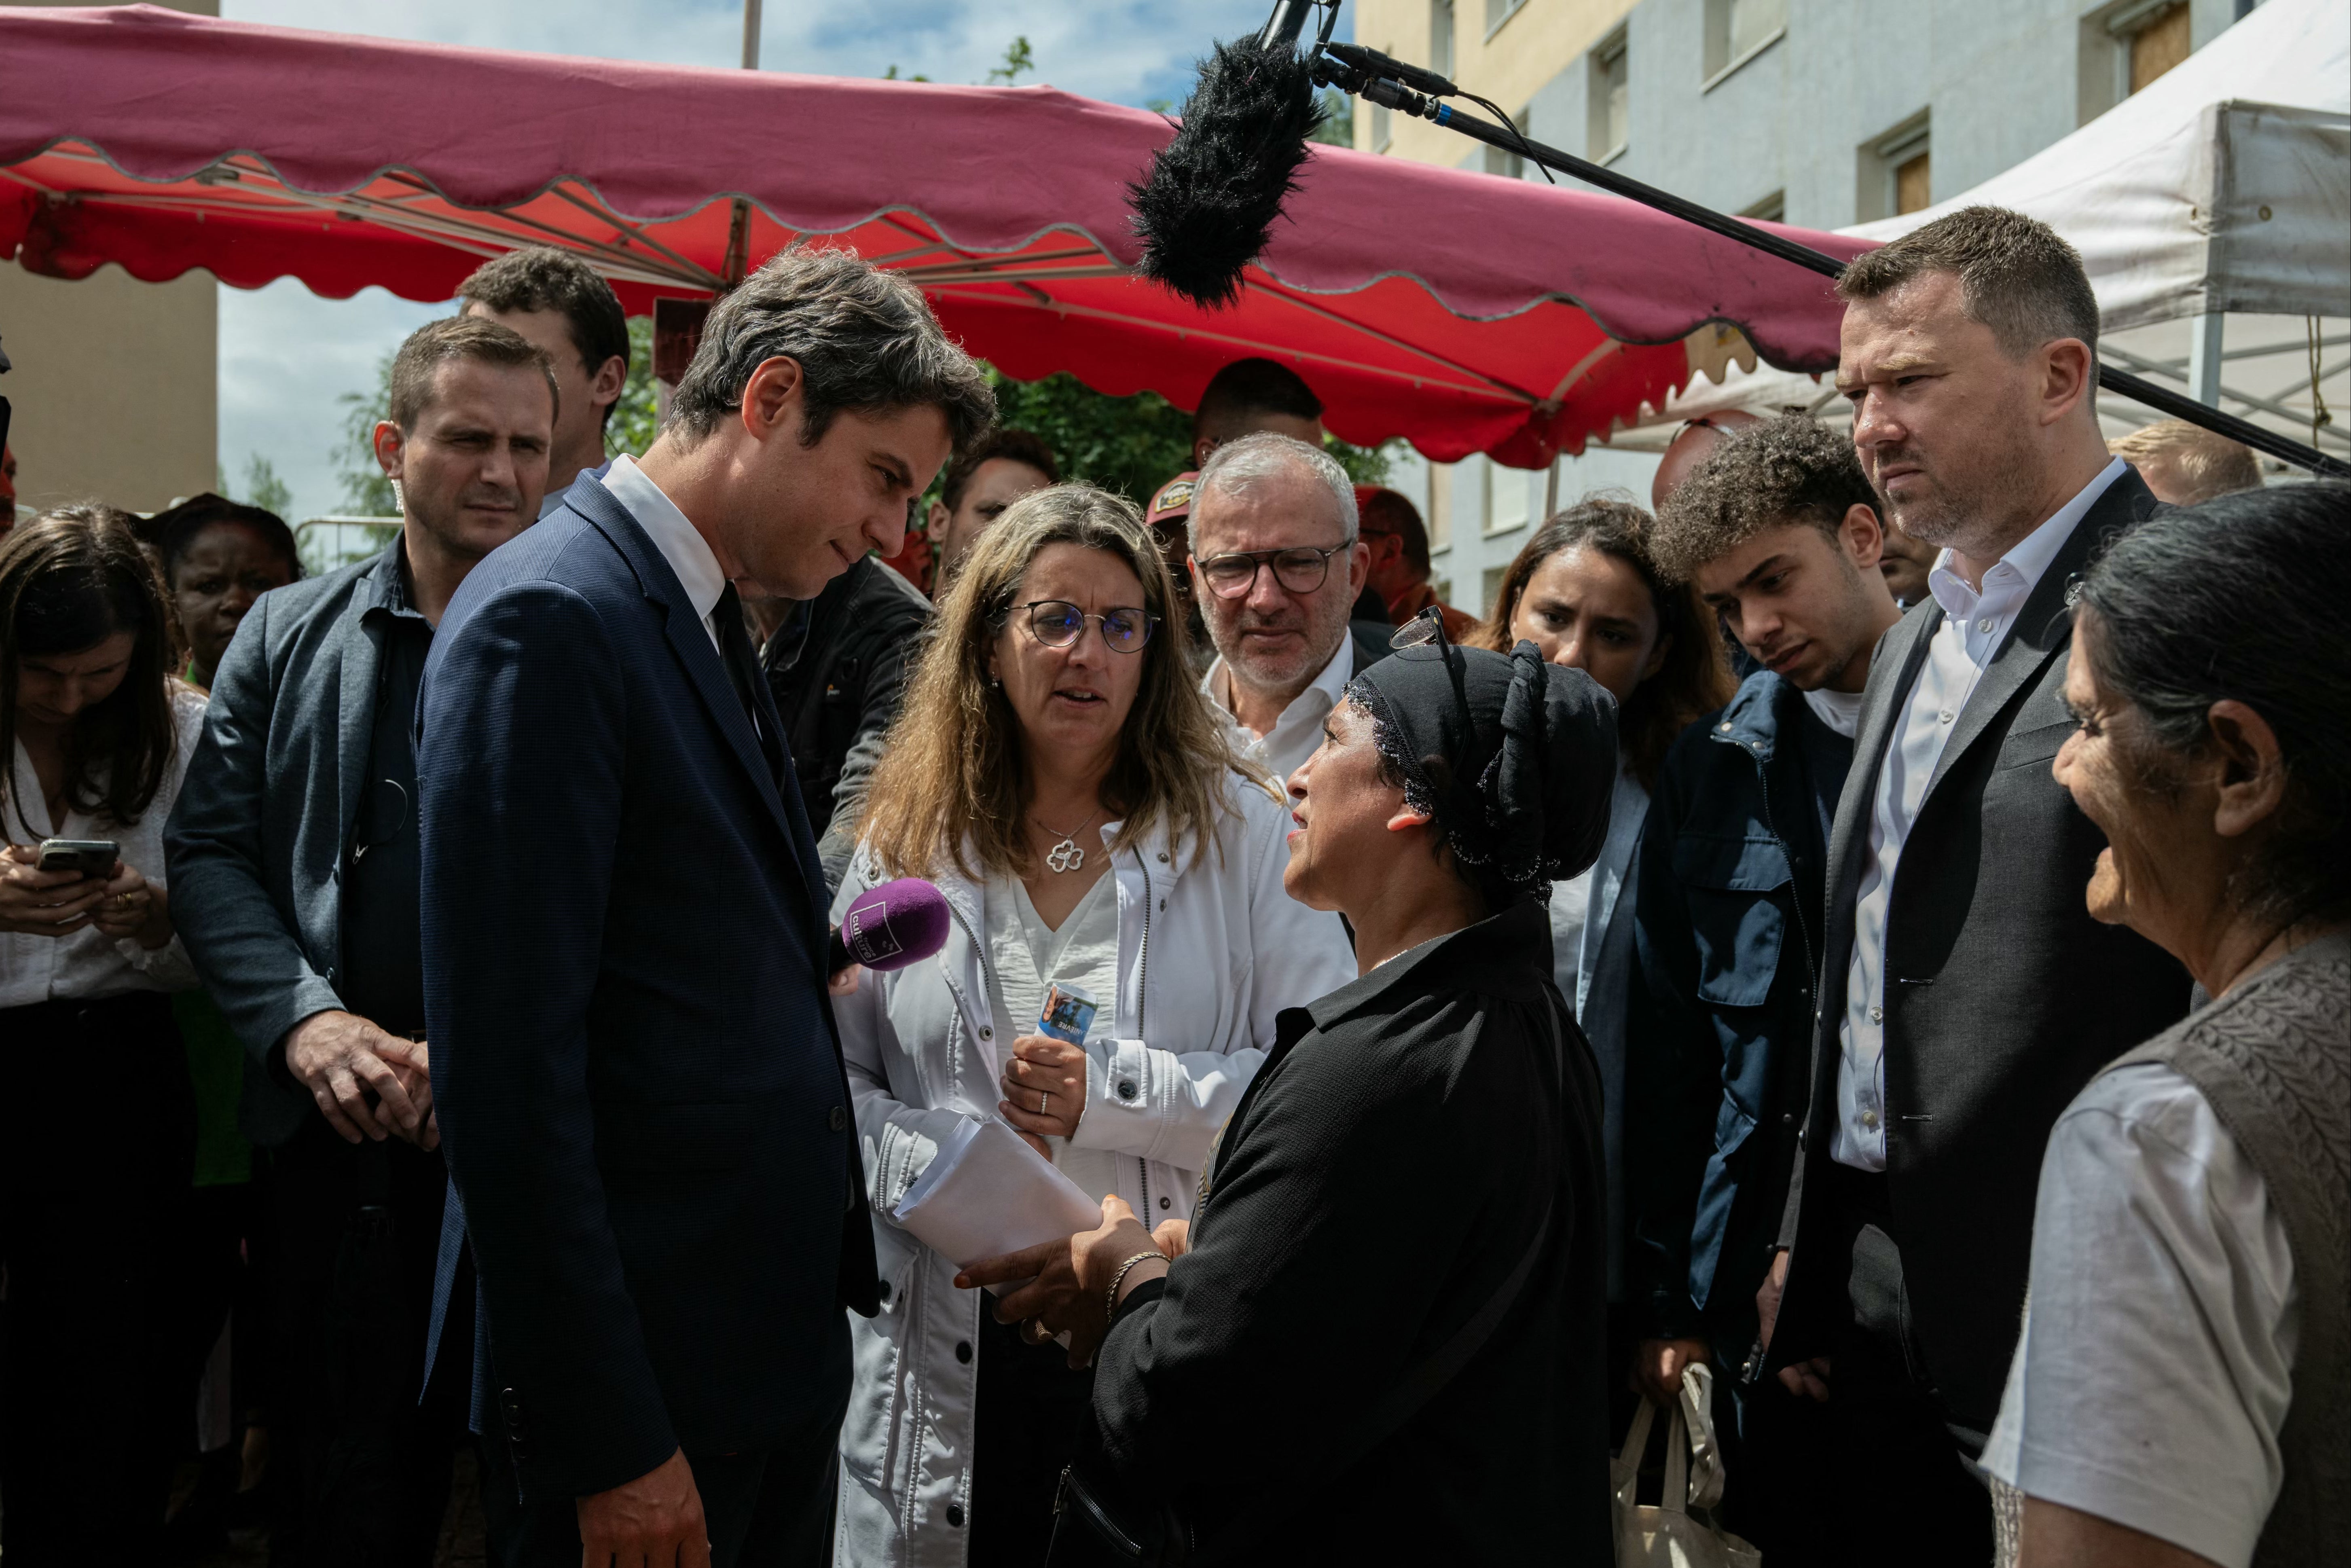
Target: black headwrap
(1528,753)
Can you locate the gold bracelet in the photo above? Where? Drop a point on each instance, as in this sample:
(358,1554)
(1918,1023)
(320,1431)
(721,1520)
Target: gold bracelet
(1110,1310)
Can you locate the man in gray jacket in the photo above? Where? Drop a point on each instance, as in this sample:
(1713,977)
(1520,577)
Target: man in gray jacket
(294,872)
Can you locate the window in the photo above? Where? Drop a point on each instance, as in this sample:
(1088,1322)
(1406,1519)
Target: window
(1913,181)
(1896,172)
(2127,45)
(1506,498)
(1489,588)
(1610,103)
(1771,209)
(2158,43)
(1510,165)
(1499,12)
(1737,29)
(1440,37)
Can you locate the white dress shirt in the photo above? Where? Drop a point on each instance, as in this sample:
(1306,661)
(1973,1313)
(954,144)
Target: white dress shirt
(1975,625)
(87,964)
(1299,730)
(2151,1382)
(687,552)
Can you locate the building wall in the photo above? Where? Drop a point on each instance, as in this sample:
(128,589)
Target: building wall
(116,382)
(1789,133)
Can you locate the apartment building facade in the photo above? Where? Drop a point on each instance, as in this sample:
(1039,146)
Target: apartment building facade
(1821,113)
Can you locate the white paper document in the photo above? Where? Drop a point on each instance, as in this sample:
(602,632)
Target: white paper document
(986,1193)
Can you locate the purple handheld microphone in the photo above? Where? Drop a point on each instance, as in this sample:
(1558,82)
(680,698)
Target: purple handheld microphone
(891,927)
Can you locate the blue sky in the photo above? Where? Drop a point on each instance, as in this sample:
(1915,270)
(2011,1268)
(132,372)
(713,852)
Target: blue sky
(286,355)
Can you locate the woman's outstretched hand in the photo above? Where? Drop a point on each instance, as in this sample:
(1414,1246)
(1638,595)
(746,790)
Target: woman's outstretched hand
(1069,1280)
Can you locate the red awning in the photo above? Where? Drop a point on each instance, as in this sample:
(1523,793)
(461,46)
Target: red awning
(1461,312)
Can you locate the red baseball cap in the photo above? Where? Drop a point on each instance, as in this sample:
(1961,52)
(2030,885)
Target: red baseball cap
(1172,501)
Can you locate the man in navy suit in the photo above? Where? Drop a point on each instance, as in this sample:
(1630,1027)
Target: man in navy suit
(639,1086)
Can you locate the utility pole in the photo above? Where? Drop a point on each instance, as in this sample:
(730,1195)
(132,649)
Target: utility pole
(738,231)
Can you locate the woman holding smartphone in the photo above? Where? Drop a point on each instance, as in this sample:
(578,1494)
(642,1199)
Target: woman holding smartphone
(1055,771)
(97,1127)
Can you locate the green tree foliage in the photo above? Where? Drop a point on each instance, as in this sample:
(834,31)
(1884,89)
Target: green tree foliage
(633,424)
(262,488)
(1017,61)
(1128,444)
(1337,126)
(366,492)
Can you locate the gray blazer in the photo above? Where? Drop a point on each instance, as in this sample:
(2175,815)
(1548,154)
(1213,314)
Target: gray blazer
(2003,995)
(254,847)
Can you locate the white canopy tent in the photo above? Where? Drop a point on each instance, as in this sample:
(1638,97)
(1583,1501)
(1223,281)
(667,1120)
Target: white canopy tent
(2224,187)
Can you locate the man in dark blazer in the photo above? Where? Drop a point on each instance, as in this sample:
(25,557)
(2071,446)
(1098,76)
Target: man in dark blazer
(293,862)
(634,1064)
(1965,994)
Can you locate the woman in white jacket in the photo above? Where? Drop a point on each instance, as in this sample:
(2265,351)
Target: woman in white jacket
(1055,773)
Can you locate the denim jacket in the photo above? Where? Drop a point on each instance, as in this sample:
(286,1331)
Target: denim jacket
(1727,939)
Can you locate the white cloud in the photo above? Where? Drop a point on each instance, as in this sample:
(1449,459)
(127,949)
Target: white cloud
(286,355)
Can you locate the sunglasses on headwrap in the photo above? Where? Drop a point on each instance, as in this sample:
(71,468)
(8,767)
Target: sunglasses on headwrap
(1427,630)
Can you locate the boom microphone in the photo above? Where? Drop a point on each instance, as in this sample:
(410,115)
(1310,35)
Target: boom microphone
(1207,207)
(891,927)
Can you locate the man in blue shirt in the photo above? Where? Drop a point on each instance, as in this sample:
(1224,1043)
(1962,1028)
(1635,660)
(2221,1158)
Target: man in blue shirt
(1780,531)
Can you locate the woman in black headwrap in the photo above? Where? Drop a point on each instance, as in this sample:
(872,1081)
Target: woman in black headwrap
(1389,1310)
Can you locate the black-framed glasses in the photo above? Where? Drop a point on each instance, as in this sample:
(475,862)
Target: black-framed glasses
(1057,623)
(1300,568)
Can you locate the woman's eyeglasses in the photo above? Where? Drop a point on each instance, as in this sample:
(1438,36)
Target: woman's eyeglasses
(1057,623)
(1300,569)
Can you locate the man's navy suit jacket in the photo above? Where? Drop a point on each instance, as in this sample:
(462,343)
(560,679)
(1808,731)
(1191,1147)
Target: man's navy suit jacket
(639,1083)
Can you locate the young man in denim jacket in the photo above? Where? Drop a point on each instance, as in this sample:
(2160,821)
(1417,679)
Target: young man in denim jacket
(1780,531)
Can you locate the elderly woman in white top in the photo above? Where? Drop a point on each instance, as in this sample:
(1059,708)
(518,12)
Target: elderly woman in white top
(2177,1395)
(97,1124)
(1055,773)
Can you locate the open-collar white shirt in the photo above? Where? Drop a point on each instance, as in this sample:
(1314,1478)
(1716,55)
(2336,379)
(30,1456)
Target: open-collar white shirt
(1976,624)
(688,553)
(1299,730)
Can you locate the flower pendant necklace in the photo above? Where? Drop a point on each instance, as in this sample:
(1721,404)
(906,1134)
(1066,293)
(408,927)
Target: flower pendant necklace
(1066,856)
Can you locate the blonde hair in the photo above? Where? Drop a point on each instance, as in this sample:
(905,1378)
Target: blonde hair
(954,775)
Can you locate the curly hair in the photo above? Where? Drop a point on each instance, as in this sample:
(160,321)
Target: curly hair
(1785,470)
(954,778)
(1696,677)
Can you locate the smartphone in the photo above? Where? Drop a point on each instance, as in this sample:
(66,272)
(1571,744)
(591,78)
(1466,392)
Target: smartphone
(91,857)
(1068,1012)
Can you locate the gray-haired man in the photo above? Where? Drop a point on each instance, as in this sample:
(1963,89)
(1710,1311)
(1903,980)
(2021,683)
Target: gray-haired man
(1277,565)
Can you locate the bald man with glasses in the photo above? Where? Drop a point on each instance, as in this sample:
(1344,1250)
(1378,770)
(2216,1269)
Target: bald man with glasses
(1277,564)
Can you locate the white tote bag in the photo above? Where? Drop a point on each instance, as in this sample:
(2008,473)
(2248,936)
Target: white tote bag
(1666,1534)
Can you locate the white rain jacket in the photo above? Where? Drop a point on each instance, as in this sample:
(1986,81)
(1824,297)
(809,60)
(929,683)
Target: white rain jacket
(1208,951)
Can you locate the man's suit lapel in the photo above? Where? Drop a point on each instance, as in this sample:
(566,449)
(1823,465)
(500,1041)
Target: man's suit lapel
(690,639)
(1892,674)
(2045,624)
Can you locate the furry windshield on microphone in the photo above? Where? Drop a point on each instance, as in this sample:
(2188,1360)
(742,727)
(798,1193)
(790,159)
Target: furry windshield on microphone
(1214,191)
